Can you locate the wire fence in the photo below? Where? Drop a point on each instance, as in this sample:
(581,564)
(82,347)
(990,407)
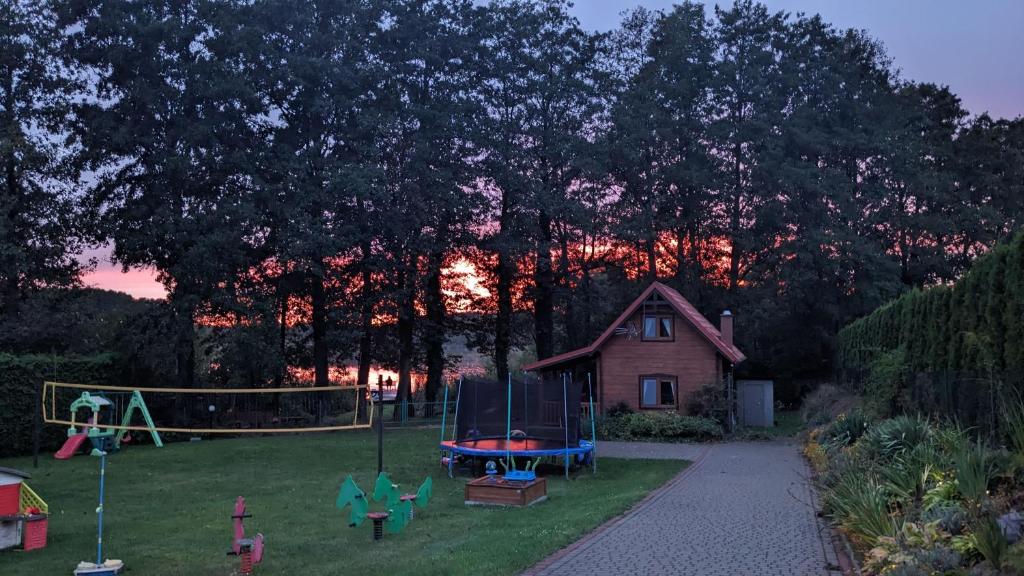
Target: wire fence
(972,399)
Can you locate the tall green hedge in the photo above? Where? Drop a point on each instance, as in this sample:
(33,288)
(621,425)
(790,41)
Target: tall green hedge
(20,377)
(976,325)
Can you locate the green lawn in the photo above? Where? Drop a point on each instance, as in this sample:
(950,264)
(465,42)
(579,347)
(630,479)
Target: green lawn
(168,510)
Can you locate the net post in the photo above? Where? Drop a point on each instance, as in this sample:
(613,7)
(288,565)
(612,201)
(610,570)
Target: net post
(380,437)
(593,425)
(37,424)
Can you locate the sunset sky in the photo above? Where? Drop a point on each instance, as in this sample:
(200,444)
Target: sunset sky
(975,50)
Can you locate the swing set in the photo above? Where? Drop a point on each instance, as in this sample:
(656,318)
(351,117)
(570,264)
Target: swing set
(100,427)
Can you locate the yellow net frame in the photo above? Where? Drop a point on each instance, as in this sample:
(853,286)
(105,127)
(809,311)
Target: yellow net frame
(49,406)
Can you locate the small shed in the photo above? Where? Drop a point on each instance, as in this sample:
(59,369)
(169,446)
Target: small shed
(755,402)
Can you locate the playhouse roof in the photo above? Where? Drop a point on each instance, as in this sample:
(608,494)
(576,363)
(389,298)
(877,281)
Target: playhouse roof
(9,472)
(682,307)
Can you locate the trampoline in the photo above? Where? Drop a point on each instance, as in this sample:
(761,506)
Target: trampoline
(520,419)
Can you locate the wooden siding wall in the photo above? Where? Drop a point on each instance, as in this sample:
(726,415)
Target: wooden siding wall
(689,357)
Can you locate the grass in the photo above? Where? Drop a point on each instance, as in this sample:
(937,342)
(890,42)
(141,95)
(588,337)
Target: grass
(168,510)
(787,424)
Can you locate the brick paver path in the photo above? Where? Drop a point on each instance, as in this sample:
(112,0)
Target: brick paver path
(740,509)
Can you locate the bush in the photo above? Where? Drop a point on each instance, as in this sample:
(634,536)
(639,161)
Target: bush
(664,426)
(825,403)
(989,539)
(20,377)
(619,409)
(861,506)
(895,437)
(844,430)
(973,467)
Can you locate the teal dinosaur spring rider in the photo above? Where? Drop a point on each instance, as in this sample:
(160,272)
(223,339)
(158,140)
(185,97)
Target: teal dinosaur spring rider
(398,507)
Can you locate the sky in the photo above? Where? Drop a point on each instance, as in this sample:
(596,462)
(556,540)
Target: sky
(975,48)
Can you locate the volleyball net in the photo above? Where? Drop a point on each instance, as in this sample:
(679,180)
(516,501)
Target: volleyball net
(217,410)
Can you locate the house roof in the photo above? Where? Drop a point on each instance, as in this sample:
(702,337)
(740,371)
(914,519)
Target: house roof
(678,303)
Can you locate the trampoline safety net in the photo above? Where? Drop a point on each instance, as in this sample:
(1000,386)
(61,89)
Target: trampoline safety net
(539,410)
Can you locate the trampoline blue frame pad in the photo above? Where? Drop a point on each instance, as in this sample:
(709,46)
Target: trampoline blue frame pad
(515,446)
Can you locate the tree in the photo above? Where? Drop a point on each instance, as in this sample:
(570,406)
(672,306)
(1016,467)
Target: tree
(661,159)
(751,104)
(168,137)
(427,156)
(540,93)
(313,66)
(40,222)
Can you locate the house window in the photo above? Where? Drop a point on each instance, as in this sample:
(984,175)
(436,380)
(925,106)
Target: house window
(657,392)
(658,327)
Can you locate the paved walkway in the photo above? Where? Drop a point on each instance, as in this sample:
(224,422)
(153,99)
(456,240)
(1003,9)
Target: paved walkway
(743,508)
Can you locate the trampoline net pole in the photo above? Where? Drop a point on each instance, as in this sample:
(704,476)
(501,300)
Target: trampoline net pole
(508,423)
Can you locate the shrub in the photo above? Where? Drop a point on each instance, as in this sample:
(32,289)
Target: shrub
(973,468)
(710,401)
(884,381)
(989,539)
(1013,419)
(665,426)
(619,409)
(906,476)
(844,430)
(19,378)
(825,403)
(861,506)
(948,516)
(896,436)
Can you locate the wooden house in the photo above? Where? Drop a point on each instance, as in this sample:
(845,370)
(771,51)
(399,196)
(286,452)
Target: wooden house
(655,354)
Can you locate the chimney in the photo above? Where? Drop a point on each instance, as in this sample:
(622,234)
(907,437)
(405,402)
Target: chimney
(725,327)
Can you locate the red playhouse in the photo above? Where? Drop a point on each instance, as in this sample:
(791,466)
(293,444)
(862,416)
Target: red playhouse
(23,514)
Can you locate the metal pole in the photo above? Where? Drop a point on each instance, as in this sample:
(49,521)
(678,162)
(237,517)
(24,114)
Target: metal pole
(508,423)
(99,511)
(37,424)
(444,411)
(380,436)
(593,426)
(455,429)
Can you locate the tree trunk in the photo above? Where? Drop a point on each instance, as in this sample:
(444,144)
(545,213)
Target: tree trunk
(734,220)
(318,292)
(184,347)
(543,305)
(365,328)
(652,258)
(406,325)
(435,334)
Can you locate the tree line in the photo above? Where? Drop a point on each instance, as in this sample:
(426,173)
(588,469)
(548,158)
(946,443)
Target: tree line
(310,179)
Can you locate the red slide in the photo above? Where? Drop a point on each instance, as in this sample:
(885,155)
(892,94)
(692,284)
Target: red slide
(71,446)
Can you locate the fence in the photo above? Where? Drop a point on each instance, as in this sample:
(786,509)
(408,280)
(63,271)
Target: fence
(417,413)
(972,399)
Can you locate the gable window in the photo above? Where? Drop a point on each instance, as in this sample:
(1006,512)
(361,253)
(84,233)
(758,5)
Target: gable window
(658,327)
(658,391)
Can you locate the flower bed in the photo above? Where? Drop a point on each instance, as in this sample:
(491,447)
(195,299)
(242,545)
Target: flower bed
(916,497)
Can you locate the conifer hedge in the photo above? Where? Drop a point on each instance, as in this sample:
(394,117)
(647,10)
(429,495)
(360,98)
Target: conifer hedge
(976,325)
(20,378)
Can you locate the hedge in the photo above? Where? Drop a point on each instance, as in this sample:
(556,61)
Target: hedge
(20,377)
(661,426)
(976,325)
